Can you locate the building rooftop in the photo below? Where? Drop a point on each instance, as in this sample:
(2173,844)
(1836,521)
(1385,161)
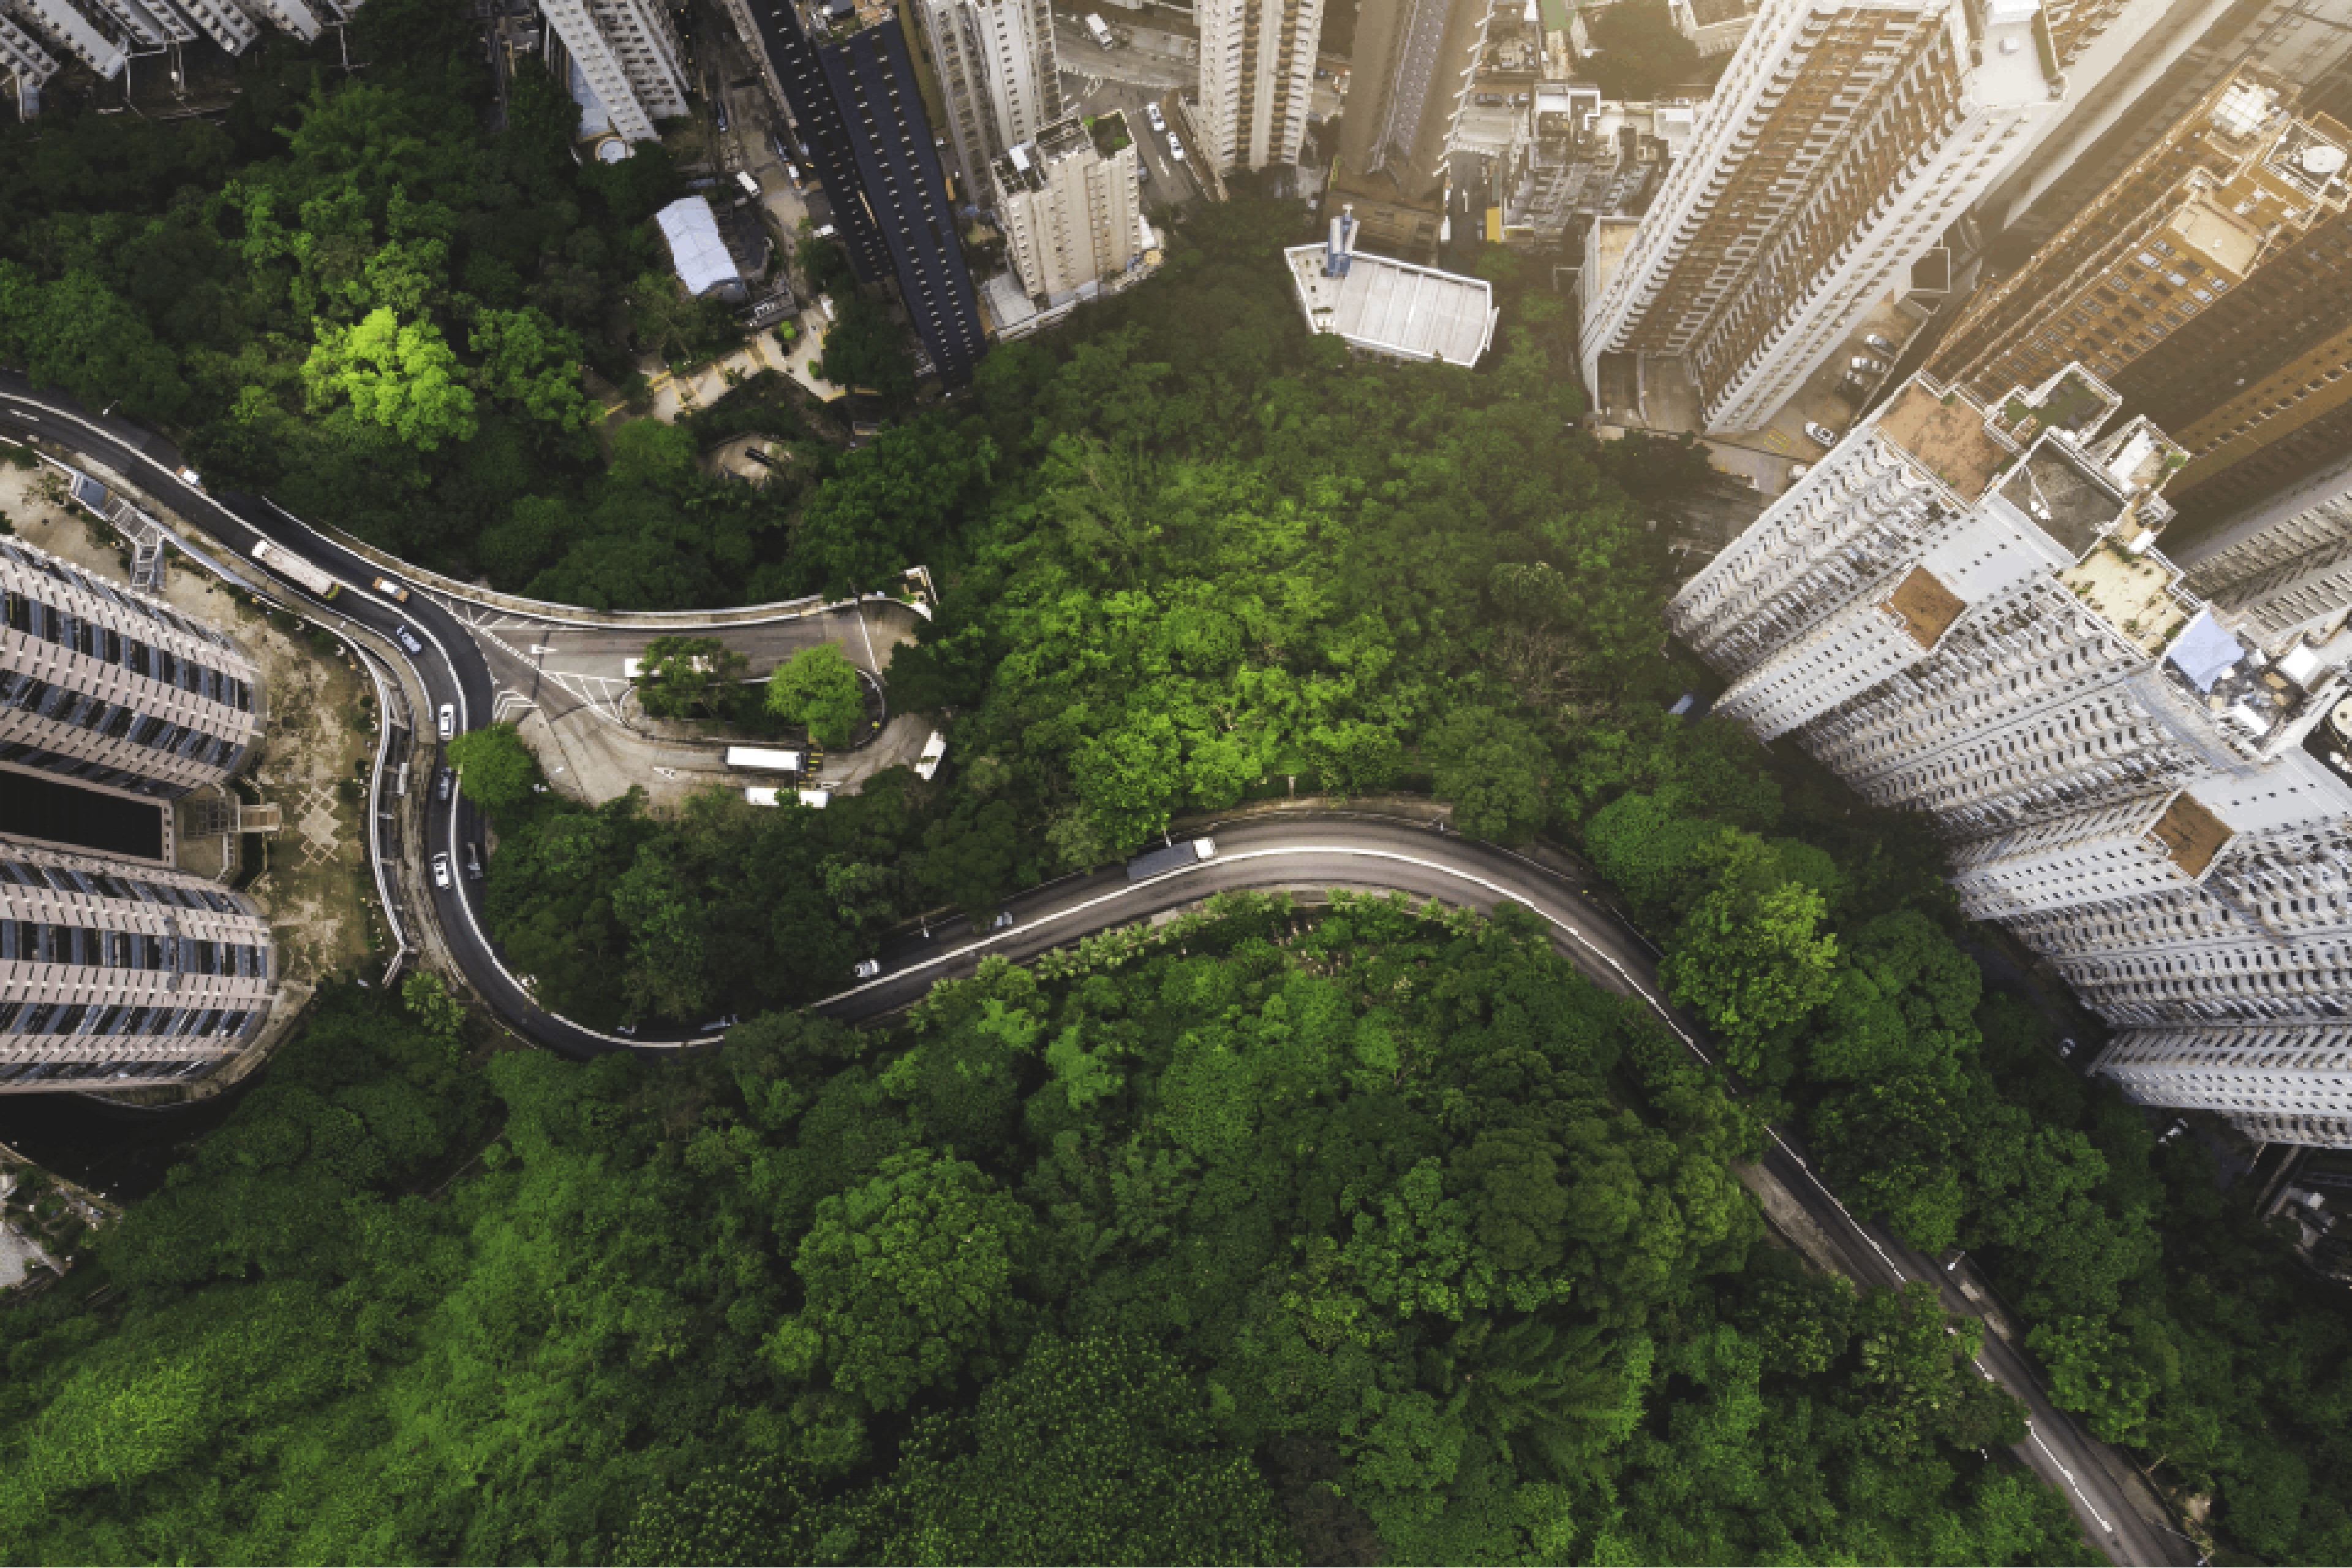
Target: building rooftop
(1394,307)
(2191,835)
(696,246)
(2060,488)
(1926,606)
(2133,594)
(1945,434)
(2223,238)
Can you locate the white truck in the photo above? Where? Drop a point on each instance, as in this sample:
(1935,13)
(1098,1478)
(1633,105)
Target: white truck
(1100,34)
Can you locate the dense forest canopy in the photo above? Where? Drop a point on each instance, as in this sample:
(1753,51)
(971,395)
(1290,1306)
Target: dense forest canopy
(1332,1235)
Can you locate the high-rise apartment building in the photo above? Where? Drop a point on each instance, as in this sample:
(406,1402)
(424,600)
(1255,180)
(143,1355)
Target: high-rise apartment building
(71,30)
(999,73)
(2228,188)
(1840,144)
(106,685)
(1257,78)
(843,67)
(111,971)
(23,58)
(2283,566)
(1961,611)
(627,51)
(1068,203)
(2150,65)
(1414,61)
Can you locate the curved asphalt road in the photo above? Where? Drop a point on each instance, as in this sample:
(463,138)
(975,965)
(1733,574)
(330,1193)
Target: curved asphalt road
(1331,850)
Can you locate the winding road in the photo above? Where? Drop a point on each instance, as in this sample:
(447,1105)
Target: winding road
(1313,852)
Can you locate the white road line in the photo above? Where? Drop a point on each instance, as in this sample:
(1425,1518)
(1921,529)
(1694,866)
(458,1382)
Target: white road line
(2087,1506)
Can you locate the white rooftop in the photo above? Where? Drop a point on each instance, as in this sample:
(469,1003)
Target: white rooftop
(692,230)
(1395,307)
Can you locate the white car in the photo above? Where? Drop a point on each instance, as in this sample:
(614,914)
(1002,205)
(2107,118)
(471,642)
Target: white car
(1175,147)
(448,721)
(1822,433)
(867,968)
(1159,121)
(1872,341)
(441,870)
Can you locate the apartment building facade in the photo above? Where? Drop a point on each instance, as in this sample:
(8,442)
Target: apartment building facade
(106,685)
(111,972)
(1070,209)
(2150,64)
(628,52)
(2230,188)
(843,67)
(21,56)
(1961,611)
(998,74)
(1840,144)
(1257,78)
(2283,567)
(1414,65)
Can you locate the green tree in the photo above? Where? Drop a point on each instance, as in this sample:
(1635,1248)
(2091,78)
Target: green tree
(402,376)
(1638,52)
(496,769)
(819,690)
(2094,1373)
(1752,956)
(680,677)
(1495,771)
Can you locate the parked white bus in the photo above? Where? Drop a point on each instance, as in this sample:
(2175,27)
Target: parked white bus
(286,563)
(761,761)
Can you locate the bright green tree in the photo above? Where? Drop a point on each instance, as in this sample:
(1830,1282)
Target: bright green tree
(679,677)
(819,690)
(496,769)
(402,376)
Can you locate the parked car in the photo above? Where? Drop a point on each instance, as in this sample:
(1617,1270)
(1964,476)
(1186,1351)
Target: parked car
(1822,433)
(440,870)
(1159,121)
(1489,99)
(444,784)
(1874,342)
(867,968)
(1143,170)
(448,721)
(408,639)
(1866,366)
(1175,147)
(392,590)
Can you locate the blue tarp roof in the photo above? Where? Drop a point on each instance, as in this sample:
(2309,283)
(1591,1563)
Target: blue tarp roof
(2205,650)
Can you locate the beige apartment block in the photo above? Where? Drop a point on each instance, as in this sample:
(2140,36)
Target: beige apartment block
(998,74)
(1071,212)
(106,684)
(1257,78)
(111,972)
(2228,188)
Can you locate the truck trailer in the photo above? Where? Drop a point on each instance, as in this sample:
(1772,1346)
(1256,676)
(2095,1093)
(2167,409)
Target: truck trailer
(1175,857)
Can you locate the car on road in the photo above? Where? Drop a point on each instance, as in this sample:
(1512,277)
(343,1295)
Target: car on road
(1489,100)
(867,968)
(1874,342)
(473,861)
(1822,433)
(408,639)
(1159,121)
(628,1029)
(392,590)
(1175,147)
(1866,366)
(444,784)
(1003,921)
(1143,170)
(441,870)
(189,478)
(719,113)
(448,721)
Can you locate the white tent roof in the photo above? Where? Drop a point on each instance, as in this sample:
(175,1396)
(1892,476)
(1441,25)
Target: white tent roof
(700,256)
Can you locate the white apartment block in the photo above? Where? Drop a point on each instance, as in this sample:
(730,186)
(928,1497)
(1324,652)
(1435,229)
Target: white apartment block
(289,15)
(1257,78)
(21,55)
(627,50)
(106,685)
(229,27)
(64,25)
(1961,611)
(1071,212)
(111,972)
(2286,564)
(1841,143)
(1000,75)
